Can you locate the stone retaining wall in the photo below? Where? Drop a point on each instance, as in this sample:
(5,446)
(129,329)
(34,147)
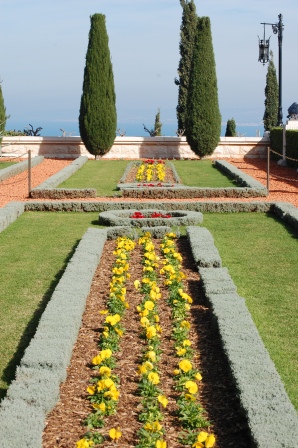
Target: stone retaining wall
(132,147)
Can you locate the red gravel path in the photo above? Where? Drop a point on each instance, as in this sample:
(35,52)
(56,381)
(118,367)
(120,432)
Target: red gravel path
(285,190)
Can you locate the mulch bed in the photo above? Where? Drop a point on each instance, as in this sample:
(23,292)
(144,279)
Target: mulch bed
(217,393)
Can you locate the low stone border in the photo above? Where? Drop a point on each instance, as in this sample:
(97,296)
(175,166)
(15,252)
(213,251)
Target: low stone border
(19,167)
(271,417)
(35,391)
(10,213)
(122,218)
(47,189)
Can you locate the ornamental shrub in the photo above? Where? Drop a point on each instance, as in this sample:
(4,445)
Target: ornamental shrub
(3,116)
(98,117)
(231,128)
(203,122)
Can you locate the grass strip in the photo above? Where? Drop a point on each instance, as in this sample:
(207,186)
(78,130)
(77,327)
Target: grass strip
(261,255)
(35,250)
(103,175)
(202,173)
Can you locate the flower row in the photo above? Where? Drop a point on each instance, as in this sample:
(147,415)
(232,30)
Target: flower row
(103,392)
(149,171)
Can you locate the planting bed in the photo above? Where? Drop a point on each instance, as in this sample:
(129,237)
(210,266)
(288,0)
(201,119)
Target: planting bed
(217,393)
(150,218)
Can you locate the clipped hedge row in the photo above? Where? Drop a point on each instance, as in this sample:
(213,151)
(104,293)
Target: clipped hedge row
(62,193)
(35,390)
(271,417)
(240,177)
(18,168)
(203,249)
(98,206)
(288,212)
(183,192)
(10,213)
(122,218)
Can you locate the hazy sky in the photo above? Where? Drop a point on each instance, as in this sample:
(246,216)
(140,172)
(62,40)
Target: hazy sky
(44,43)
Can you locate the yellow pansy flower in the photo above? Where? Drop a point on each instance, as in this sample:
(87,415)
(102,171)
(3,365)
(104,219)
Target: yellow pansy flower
(84,443)
(185,365)
(161,444)
(136,284)
(153,377)
(101,406)
(115,433)
(149,305)
(91,390)
(104,370)
(150,332)
(180,351)
(163,400)
(191,386)
(210,441)
(202,436)
(103,312)
(151,355)
(198,376)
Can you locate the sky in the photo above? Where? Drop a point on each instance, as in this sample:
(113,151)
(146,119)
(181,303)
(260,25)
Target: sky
(44,44)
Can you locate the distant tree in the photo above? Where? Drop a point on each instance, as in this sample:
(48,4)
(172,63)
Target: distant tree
(231,128)
(98,117)
(3,116)
(270,117)
(157,124)
(156,132)
(203,121)
(187,38)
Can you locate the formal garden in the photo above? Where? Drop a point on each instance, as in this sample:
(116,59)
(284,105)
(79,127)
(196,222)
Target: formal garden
(148,303)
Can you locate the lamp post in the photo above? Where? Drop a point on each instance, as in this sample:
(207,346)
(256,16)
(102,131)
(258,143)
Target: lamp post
(277,28)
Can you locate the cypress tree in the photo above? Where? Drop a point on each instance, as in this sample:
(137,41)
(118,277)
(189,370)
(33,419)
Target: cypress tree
(270,117)
(3,116)
(231,128)
(203,121)
(98,117)
(157,124)
(187,38)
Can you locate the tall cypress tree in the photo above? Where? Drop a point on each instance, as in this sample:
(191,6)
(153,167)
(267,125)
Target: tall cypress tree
(3,116)
(270,117)
(98,117)
(231,128)
(187,38)
(157,124)
(203,121)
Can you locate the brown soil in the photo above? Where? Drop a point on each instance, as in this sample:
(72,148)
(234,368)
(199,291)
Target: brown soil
(217,393)
(16,187)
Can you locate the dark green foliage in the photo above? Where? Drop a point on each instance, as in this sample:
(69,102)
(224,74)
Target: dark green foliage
(187,38)
(276,144)
(231,128)
(3,116)
(157,124)
(203,123)
(270,117)
(98,118)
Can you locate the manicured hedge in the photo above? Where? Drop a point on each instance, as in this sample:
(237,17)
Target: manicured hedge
(276,144)
(122,218)
(63,193)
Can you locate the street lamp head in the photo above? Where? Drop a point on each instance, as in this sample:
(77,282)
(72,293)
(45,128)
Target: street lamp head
(264,50)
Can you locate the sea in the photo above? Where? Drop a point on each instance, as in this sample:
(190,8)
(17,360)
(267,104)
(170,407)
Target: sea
(71,128)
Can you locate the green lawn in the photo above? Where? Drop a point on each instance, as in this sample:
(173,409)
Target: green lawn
(34,252)
(6,164)
(202,173)
(262,257)
(103,175)
(260,252)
